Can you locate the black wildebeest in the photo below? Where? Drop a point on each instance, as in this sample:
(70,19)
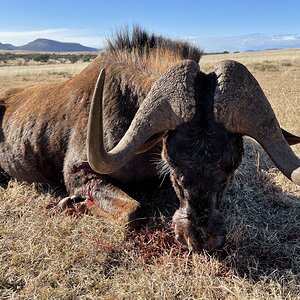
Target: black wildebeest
(154,94)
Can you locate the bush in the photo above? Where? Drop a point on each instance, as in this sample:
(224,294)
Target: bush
(42,57)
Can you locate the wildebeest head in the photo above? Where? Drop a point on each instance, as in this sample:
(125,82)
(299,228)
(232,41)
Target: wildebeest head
(204,117)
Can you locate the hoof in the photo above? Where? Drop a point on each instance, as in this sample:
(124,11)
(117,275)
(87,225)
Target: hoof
(68,202)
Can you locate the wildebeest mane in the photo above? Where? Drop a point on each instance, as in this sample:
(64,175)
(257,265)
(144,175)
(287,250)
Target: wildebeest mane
(141,41)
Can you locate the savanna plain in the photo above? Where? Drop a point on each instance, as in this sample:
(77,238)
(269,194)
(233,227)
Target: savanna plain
(46,255)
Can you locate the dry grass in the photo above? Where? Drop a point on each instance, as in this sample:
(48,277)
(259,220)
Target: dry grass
(45,256)
(24,76)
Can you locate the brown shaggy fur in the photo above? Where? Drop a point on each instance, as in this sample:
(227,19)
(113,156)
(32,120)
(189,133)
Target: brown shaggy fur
(43,128)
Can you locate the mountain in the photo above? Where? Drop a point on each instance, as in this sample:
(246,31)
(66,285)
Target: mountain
(45,45)
(41,45)
(7,47)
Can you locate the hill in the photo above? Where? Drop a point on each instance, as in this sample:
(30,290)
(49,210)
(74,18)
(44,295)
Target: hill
(7,47)
(45,45)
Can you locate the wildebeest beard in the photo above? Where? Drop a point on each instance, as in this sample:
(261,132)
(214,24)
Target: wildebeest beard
(202,157)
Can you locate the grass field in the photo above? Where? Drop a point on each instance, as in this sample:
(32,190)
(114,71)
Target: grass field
(45,256)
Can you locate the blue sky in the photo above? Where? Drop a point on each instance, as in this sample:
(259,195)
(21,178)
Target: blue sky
(213,25)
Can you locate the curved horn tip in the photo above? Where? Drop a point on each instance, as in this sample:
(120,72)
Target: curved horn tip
(295,177)
(102,74)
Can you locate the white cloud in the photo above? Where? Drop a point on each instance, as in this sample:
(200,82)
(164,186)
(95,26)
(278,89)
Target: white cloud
(285,38)
(216,43)
(83,37)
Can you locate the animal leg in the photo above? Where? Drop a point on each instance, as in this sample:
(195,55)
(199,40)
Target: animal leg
(105,200)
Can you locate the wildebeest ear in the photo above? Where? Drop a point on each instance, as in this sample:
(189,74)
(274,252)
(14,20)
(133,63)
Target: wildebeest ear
(150,143)
(290,138)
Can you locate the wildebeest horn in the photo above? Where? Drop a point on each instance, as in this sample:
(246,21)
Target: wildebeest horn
(242,107)
(170,102)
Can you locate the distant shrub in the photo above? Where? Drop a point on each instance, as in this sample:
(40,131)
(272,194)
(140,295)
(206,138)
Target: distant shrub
(73,58)
(46,57)
(41,57)
(6,56)
(88,58)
